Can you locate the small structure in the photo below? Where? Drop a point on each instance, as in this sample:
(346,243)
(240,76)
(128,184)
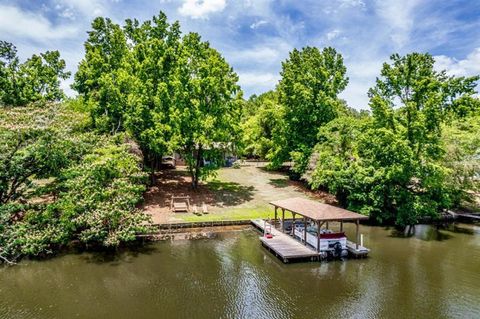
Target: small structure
(180,204)
(321,242)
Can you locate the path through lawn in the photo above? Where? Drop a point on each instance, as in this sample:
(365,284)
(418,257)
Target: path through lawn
(235,194)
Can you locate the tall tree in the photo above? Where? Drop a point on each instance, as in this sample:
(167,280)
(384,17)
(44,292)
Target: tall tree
(311,81)
(399,165)
(103,77)
(413,99)
(154,61)
(207,104)
(171,93)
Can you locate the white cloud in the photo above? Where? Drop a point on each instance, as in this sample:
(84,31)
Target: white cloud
(333,34)
(201,9)
(259,8)
(258,24)
(20,24)
(466,67)
(362,75)
(256,55)
(356,94)
(65,85)
(88,8)
(399,16)
(351,3)
(258,80)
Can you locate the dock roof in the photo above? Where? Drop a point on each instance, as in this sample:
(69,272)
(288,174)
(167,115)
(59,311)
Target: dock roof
(316,210)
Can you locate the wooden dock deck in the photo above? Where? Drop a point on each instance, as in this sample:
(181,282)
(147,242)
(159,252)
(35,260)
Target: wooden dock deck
(288,248)
(284,246)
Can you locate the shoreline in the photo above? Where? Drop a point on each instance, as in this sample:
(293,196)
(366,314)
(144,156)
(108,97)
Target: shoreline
(208,229)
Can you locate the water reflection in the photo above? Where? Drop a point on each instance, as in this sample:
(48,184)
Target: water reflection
(414,274)
(423,232)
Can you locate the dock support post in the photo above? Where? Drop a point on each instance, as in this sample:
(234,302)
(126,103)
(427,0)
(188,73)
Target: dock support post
(283,220)
(318,236)
(327,225)
(358,234)
(341,226)
(305,231)
(293,224)
(275,218)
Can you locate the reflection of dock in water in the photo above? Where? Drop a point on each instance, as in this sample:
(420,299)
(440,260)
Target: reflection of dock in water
(466,216)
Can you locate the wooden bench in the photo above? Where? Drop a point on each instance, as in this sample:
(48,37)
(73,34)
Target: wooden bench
(180,204)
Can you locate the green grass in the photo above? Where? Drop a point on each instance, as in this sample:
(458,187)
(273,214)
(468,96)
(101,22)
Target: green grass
(278,182)
(235,214)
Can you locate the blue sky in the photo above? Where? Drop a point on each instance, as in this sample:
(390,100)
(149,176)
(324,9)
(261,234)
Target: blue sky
(255,36)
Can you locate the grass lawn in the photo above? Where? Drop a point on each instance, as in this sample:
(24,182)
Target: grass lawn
(264,212)
(234,194)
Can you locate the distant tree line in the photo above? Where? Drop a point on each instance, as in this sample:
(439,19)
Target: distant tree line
(396,163)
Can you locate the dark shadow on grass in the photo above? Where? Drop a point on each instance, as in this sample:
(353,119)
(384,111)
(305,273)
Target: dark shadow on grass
(278,182)
(230,193)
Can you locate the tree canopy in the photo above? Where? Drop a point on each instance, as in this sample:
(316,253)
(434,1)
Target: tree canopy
(396,165)
(68,171)
(308,90)
(60,183)
(172,93)
(35,80)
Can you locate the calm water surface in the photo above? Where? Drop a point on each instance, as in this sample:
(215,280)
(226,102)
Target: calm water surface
(432,274)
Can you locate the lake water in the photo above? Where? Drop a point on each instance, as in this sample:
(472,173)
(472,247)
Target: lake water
(431,274)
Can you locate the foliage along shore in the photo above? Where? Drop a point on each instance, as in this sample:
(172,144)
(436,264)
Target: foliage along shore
(61,183)
(70,172)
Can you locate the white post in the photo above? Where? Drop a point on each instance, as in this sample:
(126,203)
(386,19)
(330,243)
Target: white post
(361,240)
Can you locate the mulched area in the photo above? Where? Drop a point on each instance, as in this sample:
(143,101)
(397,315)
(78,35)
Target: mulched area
(246,187)
(170,183)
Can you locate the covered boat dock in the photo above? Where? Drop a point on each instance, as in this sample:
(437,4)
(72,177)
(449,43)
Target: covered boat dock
(309,212)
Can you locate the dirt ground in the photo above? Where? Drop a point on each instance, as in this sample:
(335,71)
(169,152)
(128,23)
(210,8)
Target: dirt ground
(234,194)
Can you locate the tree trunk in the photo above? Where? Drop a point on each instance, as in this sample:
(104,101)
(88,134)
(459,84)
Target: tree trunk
(153,166)
(196,171)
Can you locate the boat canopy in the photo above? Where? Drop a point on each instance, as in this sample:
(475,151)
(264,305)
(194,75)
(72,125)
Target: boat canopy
(315,210)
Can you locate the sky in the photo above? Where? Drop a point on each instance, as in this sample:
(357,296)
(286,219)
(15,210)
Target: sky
(255,36)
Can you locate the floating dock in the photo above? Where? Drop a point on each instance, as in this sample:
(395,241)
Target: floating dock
(289,249)
(283,246)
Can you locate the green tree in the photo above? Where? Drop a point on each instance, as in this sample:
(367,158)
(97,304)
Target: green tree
(35,80)
(261,125)
(396,167)
(207,105)
(308,90)
(103,77)
(154,63)
(60,184)
(462,145)
(9,63)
